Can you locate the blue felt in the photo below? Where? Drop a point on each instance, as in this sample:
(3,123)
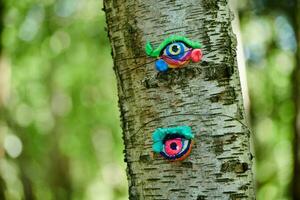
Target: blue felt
(161,65)
(182,48)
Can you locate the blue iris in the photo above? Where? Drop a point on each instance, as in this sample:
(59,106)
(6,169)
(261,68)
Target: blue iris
(175,50)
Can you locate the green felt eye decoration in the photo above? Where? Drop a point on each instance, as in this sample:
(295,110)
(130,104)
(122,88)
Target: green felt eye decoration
(174,52)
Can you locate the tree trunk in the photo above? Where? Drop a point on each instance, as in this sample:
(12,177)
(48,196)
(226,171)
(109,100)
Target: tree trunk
(296,99)
(219,166)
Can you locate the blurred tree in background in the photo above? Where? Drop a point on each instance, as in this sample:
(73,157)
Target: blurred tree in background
(59,129)
(270,43)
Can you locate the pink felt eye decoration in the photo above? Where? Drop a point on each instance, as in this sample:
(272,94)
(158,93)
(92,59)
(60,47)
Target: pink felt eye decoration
(173,143)
(173,146)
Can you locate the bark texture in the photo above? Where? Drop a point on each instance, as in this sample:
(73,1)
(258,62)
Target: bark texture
(219,166)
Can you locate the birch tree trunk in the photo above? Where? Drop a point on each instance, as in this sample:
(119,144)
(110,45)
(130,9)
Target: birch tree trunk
(219,166)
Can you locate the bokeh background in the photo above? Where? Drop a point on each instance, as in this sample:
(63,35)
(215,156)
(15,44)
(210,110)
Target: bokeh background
(60,135)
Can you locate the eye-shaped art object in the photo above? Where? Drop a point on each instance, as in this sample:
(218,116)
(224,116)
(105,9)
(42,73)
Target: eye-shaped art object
(174,52)
(173,143)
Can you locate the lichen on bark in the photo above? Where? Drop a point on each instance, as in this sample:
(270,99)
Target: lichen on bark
(219,166)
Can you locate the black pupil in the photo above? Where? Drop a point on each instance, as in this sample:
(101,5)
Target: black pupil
(175,48)
(173,146)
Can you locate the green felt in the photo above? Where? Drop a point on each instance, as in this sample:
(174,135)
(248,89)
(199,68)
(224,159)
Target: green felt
(174,38)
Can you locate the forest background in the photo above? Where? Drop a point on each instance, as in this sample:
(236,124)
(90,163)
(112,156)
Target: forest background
(60,135)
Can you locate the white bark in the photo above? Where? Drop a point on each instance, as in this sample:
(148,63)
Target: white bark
(219,166)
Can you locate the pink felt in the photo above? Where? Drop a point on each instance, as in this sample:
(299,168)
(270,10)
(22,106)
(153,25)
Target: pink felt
(196,55)
(173,142)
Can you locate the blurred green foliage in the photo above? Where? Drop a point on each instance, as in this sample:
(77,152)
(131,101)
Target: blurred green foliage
(62,135)
(270,47)
(61,132)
